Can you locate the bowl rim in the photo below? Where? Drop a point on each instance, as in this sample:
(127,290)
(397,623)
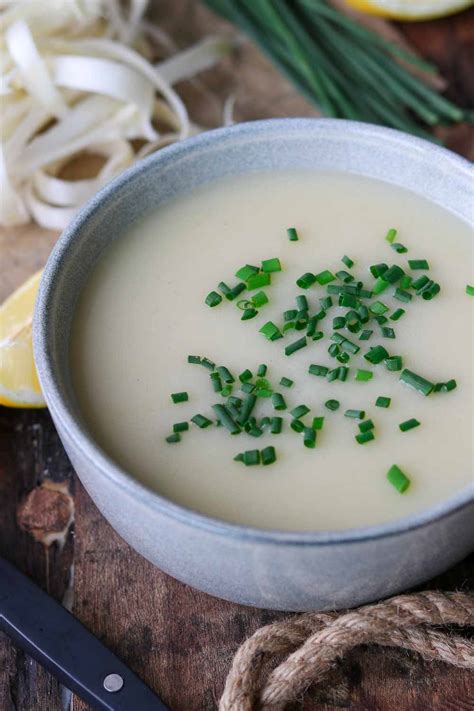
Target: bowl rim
(62,410)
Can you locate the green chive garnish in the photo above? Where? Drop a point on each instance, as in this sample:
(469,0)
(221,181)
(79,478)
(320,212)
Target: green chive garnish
(418,264)
(289,315)
(397,314)
(236,401)
(239,457)
(347,261)
(391,234)
(299,411)
(286,382)
(363,375)
(364,437)
(393,274)
(406,281)
(270,331)
(278,401)
(213,299)
(172,438)
(332,375)
(381,319)
(402,295)
(245,272)
(398,479)
(394,363)
(338,322)
(318,423)
(325,302)
(306,280)
(262,370)
(324,277)
(343,357)
(196,360)
(365,335)
(225,374)
(225,417)
(292,234)
(216,382)
(378,269)
(180,426)
(276,424)
(399,248)
(255,281)
(366,426)
(420,283)
(376,355)
(201,421)
(417,382)
(302,303)
(318,370)
(268,455)
(356,414)
(259,299)
(179,397)
(224,288)
(209,364)
(378,308)
(297,425)
(409,424)
(388,332)
(332,405)
(309,437)
(344,276)
(296,346)
(334,350)
(248,314)
(383,401)
(271,265)
(348,300)
(445,387)
(251,457)
(469,290)
(245,376)
(247,407)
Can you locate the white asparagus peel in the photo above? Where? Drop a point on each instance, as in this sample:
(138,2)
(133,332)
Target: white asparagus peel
(73,80)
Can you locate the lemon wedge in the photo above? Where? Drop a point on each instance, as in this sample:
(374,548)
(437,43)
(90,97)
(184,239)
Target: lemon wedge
(410,9)
(19,385)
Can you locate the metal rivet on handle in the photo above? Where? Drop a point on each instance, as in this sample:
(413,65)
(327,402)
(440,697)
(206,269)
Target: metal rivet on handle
(113,682)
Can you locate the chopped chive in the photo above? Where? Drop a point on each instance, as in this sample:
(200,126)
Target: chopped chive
(216,382)
(248,314)
(289,315)
(251,457)
(226,418)
(469,289)
(430,291)
(399,248)
(347,261)
(338,322)
(421,282)
(445,387)
(209,364)
(342,372)
(318,335)
(255,281)
(244,304)
(286,382)
(378,308)
(278,401)
(289,326)
(376,355)
(402,295)
(318,423)
(380,285)
(365,335)
(180,426)
(366,426)
(397,314)
(259,299)
(334,350)
(172,438)
(306,280)
(239,457)
(196,360)
(276,424)
(343,357)
(349,346)
(388,332)
(271,265)
(262,382)
(235,401)
(201,421)
(254,431)
(299,411)
(262,370)
(292,234)
(268,455)
(409,424)
(312,326)
(245,272)
(348,300)
(363,375)
(393,274)
(179,397)
(356,414)
(302,303)
(263,392)
(296,346)
(398,479)
(222,286)
(213,299)
(391,234)
(394,363)
(406,281)
(378,269)
(418,264)
(332,405)
(337,338)
(270,331)
(381,319)
(344,276)
(326,302)
(324,277)
(246,409)
(236,291)
(318,370)
(247,387)
(233,410)
(309,437)
(297,425)
(383,401)
(225,374)
(332,375)
(365,293)
(417,382)
(364,437)
(245,375)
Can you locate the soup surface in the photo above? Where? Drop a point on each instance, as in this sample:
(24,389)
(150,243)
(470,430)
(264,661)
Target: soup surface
(143,312)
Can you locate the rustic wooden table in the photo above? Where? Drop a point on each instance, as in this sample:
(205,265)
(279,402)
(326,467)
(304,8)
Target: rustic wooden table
(178,640)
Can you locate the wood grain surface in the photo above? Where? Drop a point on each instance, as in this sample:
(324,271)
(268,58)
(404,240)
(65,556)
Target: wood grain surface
(178,640)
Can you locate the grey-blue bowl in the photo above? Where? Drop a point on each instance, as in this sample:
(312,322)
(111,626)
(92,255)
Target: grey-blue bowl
(272,569)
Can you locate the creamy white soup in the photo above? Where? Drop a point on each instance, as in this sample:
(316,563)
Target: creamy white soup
(143,312)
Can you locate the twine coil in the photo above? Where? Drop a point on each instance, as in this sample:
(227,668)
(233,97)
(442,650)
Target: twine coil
(312,642)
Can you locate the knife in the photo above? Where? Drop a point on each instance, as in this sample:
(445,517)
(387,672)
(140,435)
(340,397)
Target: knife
(61,644)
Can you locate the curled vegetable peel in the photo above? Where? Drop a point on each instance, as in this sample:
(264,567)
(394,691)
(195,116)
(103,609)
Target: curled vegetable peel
(74,78)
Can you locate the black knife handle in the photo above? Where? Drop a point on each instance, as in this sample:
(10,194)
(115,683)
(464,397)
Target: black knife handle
(60,643)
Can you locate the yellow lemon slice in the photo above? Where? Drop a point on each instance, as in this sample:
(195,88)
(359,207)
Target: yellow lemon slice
(19,386)
(410,9)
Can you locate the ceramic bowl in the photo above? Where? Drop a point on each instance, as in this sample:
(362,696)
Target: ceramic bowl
(266,568)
